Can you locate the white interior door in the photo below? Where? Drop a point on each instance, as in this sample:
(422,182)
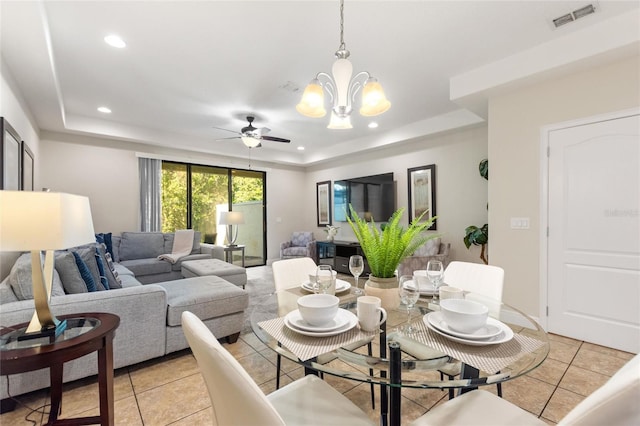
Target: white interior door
(593,260)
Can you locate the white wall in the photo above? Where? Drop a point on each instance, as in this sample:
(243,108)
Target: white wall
(516,119)
(14,110)
(107,172)
(461,193)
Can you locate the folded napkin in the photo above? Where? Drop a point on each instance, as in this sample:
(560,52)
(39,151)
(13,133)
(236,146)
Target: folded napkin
(182,246)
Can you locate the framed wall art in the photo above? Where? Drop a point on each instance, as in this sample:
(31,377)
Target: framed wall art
(28,162)
(323,199)
(10,166)
(422,192)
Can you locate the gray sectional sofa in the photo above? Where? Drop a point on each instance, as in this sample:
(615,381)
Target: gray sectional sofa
(149,313)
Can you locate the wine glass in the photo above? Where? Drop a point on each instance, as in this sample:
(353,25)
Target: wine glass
(435,273)
(409,291)
(356,266)
(324,275)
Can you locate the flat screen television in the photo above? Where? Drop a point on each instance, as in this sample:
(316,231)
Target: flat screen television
(371,197)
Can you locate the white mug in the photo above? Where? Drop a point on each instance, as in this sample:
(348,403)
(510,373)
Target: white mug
(448,292)
(369,310)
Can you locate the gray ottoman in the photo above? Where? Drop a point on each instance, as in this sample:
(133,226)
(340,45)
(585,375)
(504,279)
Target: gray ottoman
(204,267)
(218,303)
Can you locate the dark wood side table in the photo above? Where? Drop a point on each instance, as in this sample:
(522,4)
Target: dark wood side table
(85,333)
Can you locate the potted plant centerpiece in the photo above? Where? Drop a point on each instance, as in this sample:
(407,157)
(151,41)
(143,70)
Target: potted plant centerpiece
(385,248)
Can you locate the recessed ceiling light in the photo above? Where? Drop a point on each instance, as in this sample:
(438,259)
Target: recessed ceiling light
(115,41)
(373,125)
(301,148)
(104,110)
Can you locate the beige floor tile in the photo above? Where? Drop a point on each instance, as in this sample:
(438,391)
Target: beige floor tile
(173,401)
(561,351)
(83,395)
(29,410)
(551,371)
(581,381)
(598,362)
(252,340)
(560,404)
(527,393)
(607,351)
(258,367)
(286,364)
(126,412)
(566,340)
(202,417)
(239,349)
(164,370)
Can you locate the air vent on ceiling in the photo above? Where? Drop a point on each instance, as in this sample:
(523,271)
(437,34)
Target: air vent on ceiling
(576,14)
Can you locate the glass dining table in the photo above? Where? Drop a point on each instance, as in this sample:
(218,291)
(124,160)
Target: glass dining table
(399,360)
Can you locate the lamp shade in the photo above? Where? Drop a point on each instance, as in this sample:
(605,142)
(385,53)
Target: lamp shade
(312,102)
(44,221)
(374,101)
(231,218)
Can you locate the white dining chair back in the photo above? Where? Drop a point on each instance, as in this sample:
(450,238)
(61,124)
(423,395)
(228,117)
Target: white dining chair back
(487,280)
(237,400)
(290,273)
(615,403)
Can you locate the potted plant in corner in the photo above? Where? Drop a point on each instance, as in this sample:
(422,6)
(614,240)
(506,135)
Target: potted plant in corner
(479,236)
(385,249)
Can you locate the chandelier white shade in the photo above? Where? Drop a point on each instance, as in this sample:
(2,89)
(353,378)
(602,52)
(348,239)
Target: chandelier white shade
(342,88)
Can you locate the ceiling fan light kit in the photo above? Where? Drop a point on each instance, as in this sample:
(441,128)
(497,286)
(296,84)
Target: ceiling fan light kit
(342,90)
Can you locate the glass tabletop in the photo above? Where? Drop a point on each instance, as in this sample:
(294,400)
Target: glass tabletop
(75,328)
(521,346)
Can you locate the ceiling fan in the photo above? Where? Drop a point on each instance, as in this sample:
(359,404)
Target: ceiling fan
(251,136)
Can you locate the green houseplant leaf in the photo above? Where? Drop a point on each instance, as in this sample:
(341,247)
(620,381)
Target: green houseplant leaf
(386,249)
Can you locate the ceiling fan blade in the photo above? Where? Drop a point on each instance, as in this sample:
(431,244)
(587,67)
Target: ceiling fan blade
(226,130)
(232,137)
(274,139)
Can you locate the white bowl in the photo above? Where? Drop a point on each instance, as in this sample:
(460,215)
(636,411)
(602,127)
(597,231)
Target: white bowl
(464,316)
(318,309)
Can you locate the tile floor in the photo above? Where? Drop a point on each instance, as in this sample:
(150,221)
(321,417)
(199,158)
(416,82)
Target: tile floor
(170,390)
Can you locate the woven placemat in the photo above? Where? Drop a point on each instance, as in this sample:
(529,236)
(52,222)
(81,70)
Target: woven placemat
(490,358)
(307,347)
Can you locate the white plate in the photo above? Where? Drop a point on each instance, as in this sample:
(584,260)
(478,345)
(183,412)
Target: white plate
(352,322)
(491,329)
(341,286)
(505,336)
(296,320)
(428,290)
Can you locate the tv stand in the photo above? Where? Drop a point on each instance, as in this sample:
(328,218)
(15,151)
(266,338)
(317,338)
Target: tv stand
(337,254)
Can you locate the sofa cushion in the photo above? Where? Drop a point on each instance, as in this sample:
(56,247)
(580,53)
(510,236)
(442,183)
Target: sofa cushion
(147,266)
(69,275)
(178,265)
(295,251)
(207,297)
(6,293)
(301,239)
(168,242)
(21,283)
(141,245)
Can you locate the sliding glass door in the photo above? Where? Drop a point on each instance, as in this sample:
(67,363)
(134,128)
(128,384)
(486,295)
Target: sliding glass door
(193,196)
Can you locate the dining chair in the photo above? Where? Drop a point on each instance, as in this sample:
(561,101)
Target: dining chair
(237,400)
(290,273)
(481,279)
(614,403)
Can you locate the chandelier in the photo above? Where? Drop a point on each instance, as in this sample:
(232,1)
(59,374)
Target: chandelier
(342,90)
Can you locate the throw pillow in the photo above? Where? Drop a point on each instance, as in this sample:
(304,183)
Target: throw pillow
(101,270)
(88,255)
(85,273)
(107,240)
(109,269)
(69,273)
(20,279)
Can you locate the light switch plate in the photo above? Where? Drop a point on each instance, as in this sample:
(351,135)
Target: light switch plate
(519,223)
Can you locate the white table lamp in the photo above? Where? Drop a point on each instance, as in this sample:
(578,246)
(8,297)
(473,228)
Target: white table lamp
(230,219)
(43,221)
